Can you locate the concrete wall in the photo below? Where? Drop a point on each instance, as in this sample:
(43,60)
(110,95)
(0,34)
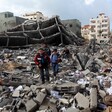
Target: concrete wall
(74,25)
(9,22)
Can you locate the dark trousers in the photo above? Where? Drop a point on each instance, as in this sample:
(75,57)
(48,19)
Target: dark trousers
(44,72)
(55,68)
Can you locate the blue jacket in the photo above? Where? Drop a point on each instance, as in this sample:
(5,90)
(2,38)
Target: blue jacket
(54,58)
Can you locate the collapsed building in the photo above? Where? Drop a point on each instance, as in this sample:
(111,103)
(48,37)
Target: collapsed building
(51,31)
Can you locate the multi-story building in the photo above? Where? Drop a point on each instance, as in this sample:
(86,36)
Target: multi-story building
(38,16)
(8,20)
(74,25)
(85,31)
(100,28)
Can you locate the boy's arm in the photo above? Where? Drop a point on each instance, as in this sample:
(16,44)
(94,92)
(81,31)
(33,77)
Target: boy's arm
(36,60)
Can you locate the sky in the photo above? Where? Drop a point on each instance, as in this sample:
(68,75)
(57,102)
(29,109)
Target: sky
(82,10)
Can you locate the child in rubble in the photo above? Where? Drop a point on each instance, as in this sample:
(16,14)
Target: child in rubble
(43,61)
(55,59)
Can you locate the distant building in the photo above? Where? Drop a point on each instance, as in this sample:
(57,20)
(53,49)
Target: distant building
(8,20)
(74,25)
(38,16)
(100,28)
(85,31)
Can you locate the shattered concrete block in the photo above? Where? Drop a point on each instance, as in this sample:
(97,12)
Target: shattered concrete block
(52,100)
(40,97)
(43,90)
(95,82)
(33,88)
(102,93)
(64,101)
(82,101)
(100,62)
(85,72)
(72,110)
(26,88)
(37,91)
(93,98)
(30,94)
(31,106)
(16,93)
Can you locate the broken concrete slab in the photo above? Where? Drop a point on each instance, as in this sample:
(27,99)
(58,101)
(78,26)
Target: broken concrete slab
(85,72)
(31,106)
(64,101)
(72,110)
(102,93)
(33,88)
(26,88)
(82,101)
(16,93)
(53,100)
(40,97)
(93,98)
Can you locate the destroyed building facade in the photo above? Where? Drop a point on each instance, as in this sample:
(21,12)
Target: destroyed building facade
(51,31)
(74,25)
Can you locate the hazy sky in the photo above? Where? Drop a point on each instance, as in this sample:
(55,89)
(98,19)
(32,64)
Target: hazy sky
(66,9)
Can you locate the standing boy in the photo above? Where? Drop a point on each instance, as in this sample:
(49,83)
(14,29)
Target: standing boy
(55,60)
(43,61)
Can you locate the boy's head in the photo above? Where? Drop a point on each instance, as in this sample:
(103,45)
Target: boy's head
(54,50)
(41,51)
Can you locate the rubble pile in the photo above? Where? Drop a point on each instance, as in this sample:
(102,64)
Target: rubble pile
(83,83)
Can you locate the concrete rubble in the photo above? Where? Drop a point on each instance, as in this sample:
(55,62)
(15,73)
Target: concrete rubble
(83,84)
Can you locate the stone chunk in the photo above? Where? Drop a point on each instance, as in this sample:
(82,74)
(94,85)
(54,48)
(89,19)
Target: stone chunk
(85,72)
(72,110)
(31,106)
(16,93)
(33,88)
(64,101)
(26,88)
(93,98)
(82,101)
(40,97)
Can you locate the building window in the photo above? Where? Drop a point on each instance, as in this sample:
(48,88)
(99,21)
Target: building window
(7,15)
(104,25)
(93,21)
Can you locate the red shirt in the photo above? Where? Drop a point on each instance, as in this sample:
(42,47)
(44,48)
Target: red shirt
(43,59)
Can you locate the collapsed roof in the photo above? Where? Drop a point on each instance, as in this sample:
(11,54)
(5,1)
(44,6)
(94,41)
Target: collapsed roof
(51,31)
